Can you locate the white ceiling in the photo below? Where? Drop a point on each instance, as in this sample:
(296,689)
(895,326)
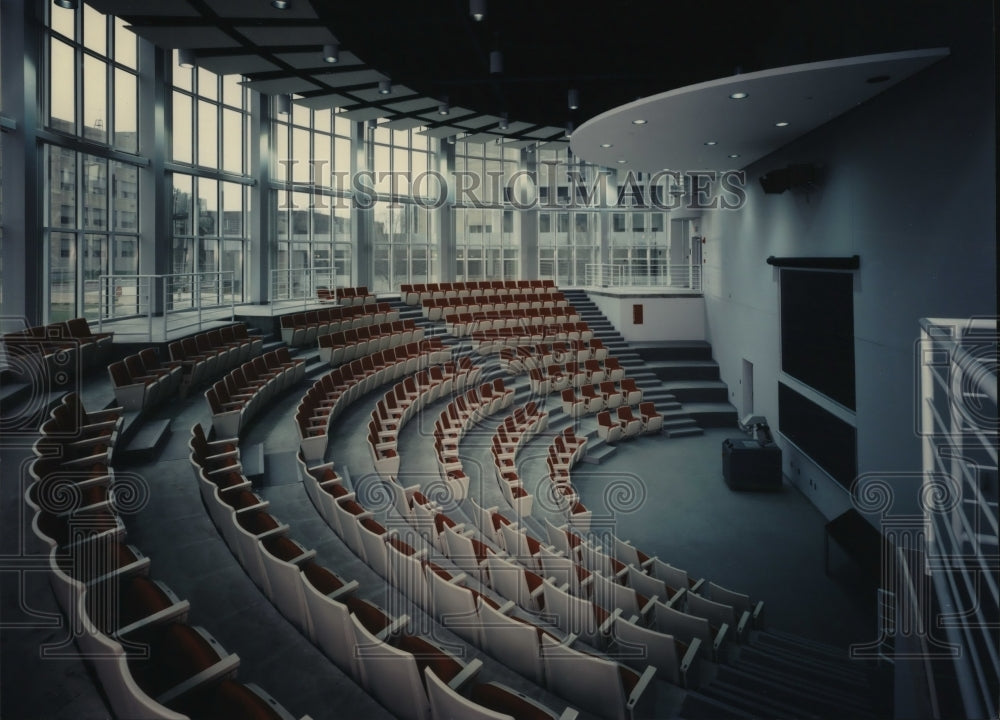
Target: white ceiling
(680,122)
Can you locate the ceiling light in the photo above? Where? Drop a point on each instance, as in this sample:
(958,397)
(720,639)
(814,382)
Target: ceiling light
(496,62)
(185,58)
(477,9)
(739,95)
(444,108)
(734,155)
(384,86)
(331,53)
(569,129)
(782,123)
(606,145)
(573,98)
(874,79)
(711,142)
(622,161)
(638,122)
(283,104)
(66,4)
(503,122)
(451,139)
(281,4)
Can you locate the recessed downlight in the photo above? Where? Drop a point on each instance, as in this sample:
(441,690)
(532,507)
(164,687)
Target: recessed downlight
(711,142)
(874,79)
(622,161)
(638,121)
(739,95)
(734,155)
(281,4)
(781,123)
(606,145)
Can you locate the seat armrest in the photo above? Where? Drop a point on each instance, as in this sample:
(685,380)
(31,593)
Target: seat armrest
(679,599)
(344,590)
(507,607)
(605,628)
(223,668)
(178,611)
(720,637)
(741,626)
(696,586)
(569,714)
(648,607)
(640,687)
(394,628)
(467,673)
(689,658)
(457,579)
(758,614)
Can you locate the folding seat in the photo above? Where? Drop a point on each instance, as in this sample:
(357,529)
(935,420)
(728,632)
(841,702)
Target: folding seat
(631,394)
(740,602)
(594,558)
(517,583)
(193,352)
(613,369)
(467,553)
(611,394)
(130,394)
(283,558)
(631,425)
(594,400)
(285,359)
(609,595)
(456,607)
(193,369)
(565,571)
(576,615)
(676,662)
(224,359)
(595,372)
(563,540)
(171,374)
(230,351)
(559,379)
(688,628)
(157,385)
(608,431)
(520,500)
(179,659)
(392,670)
(718,614)
(409,294)
(373,536)
(79,329)
(650,587)
(227,415)
(626,553)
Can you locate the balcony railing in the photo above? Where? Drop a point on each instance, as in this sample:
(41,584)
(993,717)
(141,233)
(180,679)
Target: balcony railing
(291,287)
(680,278)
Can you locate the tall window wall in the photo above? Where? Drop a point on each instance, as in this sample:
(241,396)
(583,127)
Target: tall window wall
(209,228)
(487,234)
(92,199)
(405,235)
(311,173)
(639,242)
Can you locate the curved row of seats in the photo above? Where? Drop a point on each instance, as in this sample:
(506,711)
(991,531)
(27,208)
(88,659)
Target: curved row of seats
(59,347)
(556,377)
(595,398)
(493,341)
(359,637)
(346,295)
(517,429)
(565,450)
(235,400)
(329,395)
(407,397)
(345,345)
(133,630)
(461,324)
(445,308)
(414,294)
(623,424)
(302,328)
(524,358)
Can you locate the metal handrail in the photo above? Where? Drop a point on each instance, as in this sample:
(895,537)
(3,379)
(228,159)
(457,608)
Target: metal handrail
(293,286)
(681,276)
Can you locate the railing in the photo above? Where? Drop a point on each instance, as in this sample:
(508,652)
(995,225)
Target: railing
(663,276)
(300,286)
(186,301)
(957,421)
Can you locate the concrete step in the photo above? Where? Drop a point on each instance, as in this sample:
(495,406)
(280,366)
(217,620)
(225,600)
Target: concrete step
(252,459)
(599,454)
(699,390)
(146,441)
(684,432)
(678,422)
(673,370)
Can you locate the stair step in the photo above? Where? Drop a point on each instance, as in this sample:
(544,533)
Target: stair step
(678,423)
(701,707)
(599,454)
(685,432)
(756,704)
(252,460)
(147,440)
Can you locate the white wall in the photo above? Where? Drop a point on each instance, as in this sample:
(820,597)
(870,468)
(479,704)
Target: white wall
(664,318)
(909,185)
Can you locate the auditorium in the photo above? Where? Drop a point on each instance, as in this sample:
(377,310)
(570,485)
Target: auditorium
(447,359)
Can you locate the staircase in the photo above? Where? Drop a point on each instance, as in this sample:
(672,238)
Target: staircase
(782,675)
(694,398)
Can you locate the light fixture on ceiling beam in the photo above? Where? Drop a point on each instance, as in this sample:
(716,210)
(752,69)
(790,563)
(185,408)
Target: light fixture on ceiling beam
(67,4)
(281,4)
(451,139)
(283,104)
(573,99)
(503,121)
(444,108)
(331,53)
(496,62)
(569,130)
(739,95)
(185,57)
(384,86)
(477,9)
